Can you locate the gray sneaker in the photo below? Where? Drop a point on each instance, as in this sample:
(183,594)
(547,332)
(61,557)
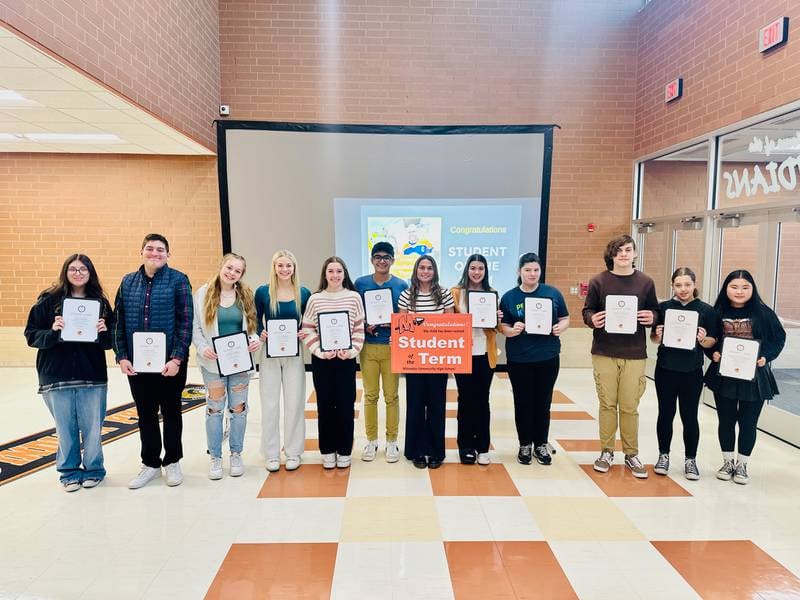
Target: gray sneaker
(662,464)
(725,472)
(603,464)
(638,470)
(740,475)
(690,469)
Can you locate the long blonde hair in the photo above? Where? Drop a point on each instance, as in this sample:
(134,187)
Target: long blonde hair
(273,283)
(244,295)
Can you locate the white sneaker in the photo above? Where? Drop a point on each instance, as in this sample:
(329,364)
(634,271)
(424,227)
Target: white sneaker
(237,466)
(215,470)
(329,461)
(483,458)
(174,474)
(370,451)
(273,464)
(392,452)
(145,476)
(71,486)
(293,463)
(90,483)
(342,461)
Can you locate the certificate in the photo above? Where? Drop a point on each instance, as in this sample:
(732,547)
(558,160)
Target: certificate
(334,331)
(232,354)
(483,308)
(80,319)
(680,329)
(739,357)
(282,338)
(378,306)
(538,316)
(149,351)
(621,314)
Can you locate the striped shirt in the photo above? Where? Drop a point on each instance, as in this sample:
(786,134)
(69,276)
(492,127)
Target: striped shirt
(425,302)
(325,301)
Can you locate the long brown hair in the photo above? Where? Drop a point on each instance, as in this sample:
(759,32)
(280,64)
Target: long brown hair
(347,283)
(244,295)
(63,287)
(436,290)
(273,282)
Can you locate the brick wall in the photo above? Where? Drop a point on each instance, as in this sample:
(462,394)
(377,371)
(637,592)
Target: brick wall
(570,62)
(162,55)
(713,45)
(54,205)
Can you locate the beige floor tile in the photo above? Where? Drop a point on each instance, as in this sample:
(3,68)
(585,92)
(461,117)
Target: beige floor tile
(392,519)
(581,519)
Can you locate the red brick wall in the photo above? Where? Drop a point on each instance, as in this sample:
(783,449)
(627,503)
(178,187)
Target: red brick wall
(570,62)
(162,55)
(713,45)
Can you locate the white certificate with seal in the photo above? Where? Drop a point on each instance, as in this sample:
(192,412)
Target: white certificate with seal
(282,338)
(334,331)
(80,319)
(739,357)
(680,329)
(483,308)
(149,351)
(232,354)
(621,314)
(538,316)
(378,306)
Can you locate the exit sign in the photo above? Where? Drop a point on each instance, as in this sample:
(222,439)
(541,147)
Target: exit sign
(773,34)
(673,90)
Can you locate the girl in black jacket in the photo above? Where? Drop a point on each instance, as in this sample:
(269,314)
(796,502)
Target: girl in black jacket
(72,375)
(744,315)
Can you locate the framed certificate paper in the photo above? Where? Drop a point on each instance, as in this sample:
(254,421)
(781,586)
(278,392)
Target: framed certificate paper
(378,306)
(80,319)
(538,316)
(232,354)
(680,329)
(149,351)
(739,357)
(621,314)
(282,338)
(483,308)
(334,331)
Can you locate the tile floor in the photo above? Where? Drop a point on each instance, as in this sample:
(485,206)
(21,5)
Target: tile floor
(390,531)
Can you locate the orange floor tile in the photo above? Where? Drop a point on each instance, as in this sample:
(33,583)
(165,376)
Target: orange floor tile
(560,398)
(451,413)
(730,570)
(455,479)
(585,445)
(505,570)
(309,481)
(570,415)
(312,445)
(275,571)
(619,482)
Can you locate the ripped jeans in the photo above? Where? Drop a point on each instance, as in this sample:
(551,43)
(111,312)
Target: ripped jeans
(225,394)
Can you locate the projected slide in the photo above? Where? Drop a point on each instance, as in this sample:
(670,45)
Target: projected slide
(449,230)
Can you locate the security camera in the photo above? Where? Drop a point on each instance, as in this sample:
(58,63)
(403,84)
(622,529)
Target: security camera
(224,110)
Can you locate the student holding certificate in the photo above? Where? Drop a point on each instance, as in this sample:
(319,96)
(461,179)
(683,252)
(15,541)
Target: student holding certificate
(155,299)
(687,326)
(73,379)
(333,330)
(380,292)
(473,294)
(223,307)
(532,358)
(280,306)
(426,393)
(619,359)
(745,317)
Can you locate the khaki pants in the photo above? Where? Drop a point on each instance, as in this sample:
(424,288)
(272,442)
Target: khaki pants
(620,384)
(376,367)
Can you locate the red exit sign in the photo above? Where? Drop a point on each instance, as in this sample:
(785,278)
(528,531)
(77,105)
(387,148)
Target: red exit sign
(673,90)
(773,34)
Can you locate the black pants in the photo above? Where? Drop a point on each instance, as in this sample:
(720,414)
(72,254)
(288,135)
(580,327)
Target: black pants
(730,412)
(425,413)
(532,384)
(335,384)
(473,405)
(681,390)
(152,392)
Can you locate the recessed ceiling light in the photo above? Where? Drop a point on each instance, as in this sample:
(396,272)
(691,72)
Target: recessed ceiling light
(12,99)
(9,137)
(81,138)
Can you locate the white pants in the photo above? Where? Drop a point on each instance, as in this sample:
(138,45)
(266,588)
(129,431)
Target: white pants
(289,373)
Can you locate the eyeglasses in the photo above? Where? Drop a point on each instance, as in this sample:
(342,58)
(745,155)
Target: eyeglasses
(78,270)
(382,257)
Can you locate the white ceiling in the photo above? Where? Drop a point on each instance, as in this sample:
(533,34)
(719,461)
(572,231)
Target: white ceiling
(40,95)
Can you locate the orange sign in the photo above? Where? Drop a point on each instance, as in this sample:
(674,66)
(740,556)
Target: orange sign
(431,343)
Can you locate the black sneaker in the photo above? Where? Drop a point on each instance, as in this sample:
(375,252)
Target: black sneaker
(524,455)
(467,456)
(421,462)
(542,455)
(434,463)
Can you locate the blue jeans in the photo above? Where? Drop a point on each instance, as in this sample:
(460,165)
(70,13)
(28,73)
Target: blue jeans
(78,412)
(225,392)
